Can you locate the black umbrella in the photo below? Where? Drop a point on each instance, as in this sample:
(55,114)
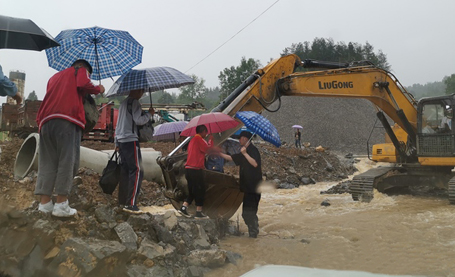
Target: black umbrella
(19,33)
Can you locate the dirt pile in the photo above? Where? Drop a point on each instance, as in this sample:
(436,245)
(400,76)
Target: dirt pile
(290,167)
(341,125)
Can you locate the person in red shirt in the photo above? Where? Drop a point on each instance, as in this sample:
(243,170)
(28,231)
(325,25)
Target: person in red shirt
(195,163)
(61,119)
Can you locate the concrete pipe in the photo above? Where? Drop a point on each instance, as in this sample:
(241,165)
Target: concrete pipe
(27,160)
(27,157)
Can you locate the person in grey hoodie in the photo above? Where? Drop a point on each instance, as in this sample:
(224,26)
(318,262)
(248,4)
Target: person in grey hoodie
(127,143)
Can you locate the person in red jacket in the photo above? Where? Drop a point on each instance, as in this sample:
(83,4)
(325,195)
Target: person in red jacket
(61,119)
(195,163)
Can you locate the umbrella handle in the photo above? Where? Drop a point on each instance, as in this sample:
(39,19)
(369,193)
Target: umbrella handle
(97,63)
(250,138)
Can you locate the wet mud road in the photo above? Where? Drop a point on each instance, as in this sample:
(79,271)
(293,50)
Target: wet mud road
(399,234)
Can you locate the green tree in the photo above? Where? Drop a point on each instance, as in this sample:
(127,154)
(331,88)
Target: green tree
(32,96)
(327,50)
(166,98)
(194,92)
(231,78)
(427,90)
(450,84)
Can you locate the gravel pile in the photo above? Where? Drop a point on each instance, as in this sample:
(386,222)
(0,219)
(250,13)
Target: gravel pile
(339,124)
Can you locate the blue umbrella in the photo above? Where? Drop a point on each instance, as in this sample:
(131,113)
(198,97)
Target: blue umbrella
(149,79)
(110,52)
(261,126)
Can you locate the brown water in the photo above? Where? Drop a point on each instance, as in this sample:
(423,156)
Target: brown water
(393,234)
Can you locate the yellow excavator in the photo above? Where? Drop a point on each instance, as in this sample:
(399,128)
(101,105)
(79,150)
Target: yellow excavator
(420,146)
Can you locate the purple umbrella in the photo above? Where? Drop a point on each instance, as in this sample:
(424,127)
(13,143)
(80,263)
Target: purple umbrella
(169,130)
(297,126)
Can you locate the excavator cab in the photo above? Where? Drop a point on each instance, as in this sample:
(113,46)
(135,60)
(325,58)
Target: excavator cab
(435,132)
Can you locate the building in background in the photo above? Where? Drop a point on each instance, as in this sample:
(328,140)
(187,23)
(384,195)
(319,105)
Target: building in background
(19,79)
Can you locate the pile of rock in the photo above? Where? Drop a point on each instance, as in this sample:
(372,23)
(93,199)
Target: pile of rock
(109,243)
(289,167)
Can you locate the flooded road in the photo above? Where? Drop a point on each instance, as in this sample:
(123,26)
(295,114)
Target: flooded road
(400,234)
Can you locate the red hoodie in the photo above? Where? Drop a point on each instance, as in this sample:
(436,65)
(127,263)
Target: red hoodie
(64,95)
(196,153)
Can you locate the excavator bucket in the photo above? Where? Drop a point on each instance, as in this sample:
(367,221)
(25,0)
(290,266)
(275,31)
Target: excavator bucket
(222,197)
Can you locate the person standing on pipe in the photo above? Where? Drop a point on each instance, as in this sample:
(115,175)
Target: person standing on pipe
(61,119)
(130,116)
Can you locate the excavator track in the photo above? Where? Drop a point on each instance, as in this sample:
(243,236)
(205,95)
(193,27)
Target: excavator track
(362,189)
(362,185)
(451,191)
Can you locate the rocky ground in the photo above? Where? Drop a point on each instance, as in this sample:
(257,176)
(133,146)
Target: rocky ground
(104,241)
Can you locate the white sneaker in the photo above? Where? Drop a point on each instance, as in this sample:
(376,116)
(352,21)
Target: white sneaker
(63,210)
(46,208)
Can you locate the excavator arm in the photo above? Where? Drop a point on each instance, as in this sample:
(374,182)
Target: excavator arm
(361,80)
(374,84)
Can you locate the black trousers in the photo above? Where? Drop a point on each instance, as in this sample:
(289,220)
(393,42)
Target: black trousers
(196,186)
(131,174)
(249,212)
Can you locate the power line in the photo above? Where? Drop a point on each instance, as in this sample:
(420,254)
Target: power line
(233,36)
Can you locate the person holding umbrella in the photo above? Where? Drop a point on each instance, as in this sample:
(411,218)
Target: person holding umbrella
(127,143)
(9,88)
(297,136)
(194,175)
(61,119)
(24,34)
(249,160)
(199,127)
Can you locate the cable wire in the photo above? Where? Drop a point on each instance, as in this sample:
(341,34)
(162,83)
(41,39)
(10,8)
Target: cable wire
(233,36)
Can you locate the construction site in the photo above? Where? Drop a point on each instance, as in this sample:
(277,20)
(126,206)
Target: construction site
(326,203)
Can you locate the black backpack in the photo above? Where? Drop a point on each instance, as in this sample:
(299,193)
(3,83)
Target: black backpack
(144,132)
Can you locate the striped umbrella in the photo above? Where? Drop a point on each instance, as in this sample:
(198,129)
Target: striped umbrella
(110,52)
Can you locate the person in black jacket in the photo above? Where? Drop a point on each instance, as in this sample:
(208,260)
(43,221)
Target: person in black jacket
(249,160)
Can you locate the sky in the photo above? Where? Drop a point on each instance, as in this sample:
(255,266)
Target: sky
(416,35)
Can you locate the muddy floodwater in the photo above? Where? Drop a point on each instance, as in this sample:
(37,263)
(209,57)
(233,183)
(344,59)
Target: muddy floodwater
(399,234)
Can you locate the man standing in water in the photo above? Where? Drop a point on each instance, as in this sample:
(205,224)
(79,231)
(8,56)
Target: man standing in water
(249,161)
